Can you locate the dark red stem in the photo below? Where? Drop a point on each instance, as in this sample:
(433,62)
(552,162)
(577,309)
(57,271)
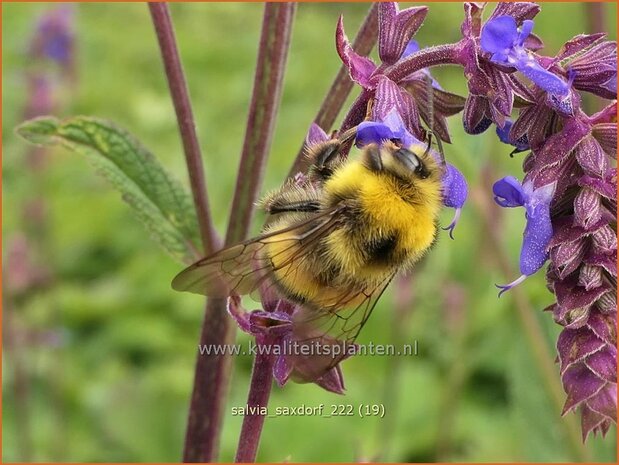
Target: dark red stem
(595,13)
(448,54)
(212,373)
(184,115)
(259,392)
(272,56)
(210,386)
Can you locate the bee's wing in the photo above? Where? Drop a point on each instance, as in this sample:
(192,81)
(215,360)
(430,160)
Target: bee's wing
(242,268)
(337,324)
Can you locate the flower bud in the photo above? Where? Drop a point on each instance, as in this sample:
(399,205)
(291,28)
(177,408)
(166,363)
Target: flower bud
(605,240)
(591,157)
(587,208)
(607,303)
(590,277)
(566,257)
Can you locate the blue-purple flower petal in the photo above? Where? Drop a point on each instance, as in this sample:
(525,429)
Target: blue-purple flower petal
(455,188)
(538,231)
(503,133)
(372,132)
(508,192)
(55,35)
(412,47)
(525,31)
(391,128)
(499,35)
(395,122)
(455,192)
(537,235)
(501,38)
(543,78)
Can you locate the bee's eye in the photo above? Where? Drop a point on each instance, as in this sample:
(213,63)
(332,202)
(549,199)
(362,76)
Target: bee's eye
(421,170)
(412,162)
(407,158)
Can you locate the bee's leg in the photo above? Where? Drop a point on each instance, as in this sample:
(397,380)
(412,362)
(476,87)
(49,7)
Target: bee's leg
(289,200)
(307,206)
(326,156)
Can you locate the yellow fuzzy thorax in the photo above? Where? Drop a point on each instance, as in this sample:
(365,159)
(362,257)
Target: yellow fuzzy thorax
(390,207)
(387,206)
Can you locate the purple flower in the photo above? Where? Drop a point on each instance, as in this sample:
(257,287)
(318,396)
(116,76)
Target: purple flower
(54,35)
(492,85)
(537,234)
(521,144)
(274,327)
(360,68)
(588,363)
(583,247)
(569,188)
(505,41)
(455,192)
(389,128)
(395,31)
(583,263)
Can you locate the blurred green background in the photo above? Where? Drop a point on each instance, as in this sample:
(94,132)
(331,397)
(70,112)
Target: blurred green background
(98,360)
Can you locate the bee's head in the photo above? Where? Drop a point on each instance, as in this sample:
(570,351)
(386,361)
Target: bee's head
(410,164)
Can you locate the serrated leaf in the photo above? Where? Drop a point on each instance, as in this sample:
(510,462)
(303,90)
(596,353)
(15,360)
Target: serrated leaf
(159,201)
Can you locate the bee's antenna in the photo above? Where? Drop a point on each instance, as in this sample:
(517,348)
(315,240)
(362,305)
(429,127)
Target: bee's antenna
(430,93)
(348,135)
(428,146)
(439,143)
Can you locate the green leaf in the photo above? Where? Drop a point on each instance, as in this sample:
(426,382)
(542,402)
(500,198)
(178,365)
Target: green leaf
(159,201)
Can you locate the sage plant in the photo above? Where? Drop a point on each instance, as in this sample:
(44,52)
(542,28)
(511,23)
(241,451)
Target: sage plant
(568,186)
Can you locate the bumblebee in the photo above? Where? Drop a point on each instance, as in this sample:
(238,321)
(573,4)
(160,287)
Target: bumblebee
(335,238)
